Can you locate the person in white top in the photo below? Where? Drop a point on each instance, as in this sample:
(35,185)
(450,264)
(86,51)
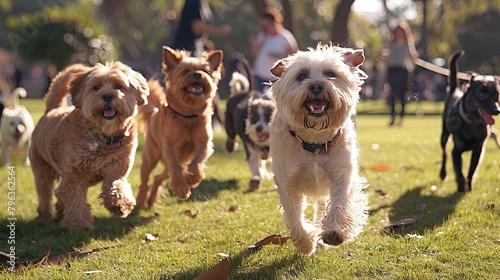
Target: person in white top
(274,42)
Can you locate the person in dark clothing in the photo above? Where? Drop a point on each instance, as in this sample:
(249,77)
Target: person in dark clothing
(194,27)
(399,53)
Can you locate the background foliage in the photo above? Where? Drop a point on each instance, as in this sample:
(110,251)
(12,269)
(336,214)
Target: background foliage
(135,30)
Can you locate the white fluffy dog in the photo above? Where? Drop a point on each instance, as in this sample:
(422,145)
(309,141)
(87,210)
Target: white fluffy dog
(313,145)
(16,126)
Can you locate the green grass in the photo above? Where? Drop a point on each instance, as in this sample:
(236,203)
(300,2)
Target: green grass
(457,236)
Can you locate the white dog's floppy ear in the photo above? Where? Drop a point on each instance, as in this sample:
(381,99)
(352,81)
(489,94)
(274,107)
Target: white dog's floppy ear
(171,58)
(278,68)
(355,58)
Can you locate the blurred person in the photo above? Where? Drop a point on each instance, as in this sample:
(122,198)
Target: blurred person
(195,27)
(273,42)
(398,54)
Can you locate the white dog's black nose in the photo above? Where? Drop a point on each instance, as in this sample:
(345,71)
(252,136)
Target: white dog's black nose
(316,88)
(107,97)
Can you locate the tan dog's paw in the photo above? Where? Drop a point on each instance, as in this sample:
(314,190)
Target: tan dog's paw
(142,197)
(119,200)
(182,192)
(194,176)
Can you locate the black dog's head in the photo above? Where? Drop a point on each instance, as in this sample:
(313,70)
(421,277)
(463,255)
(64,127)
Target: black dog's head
(482,96)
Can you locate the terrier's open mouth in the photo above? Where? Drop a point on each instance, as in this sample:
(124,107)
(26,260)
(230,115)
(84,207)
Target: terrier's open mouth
(195,88)
(262,136)
(317,107)
(109,113)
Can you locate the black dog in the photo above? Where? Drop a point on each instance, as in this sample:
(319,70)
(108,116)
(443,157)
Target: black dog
(248,114)
(468,117)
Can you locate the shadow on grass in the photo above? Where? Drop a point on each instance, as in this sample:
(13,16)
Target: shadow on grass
(429,210)
(34,238)
(208,189)
(291,265)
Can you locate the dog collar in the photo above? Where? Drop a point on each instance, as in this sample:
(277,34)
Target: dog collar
(179,114)
(313,147)
(109,140)
(464,115)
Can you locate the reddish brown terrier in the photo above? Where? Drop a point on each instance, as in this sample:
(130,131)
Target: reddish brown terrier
(177,123)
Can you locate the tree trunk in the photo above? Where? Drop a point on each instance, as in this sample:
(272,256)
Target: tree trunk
(260,6)
(287,17)
(340,32)
(424,54)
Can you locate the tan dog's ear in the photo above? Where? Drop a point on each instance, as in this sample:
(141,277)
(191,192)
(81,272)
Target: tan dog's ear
(278,68)
(355,58)
(215,59)
(77,87)
(171,58)
(141,87)
(136,81)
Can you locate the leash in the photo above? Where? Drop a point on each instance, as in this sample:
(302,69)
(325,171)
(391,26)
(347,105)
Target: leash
(440,70)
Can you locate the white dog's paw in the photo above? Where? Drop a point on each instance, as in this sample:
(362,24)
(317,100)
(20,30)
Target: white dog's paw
(333,237)
(305,245)
(304,239)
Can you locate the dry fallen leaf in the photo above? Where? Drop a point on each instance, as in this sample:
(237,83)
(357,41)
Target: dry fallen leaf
(271,239)
(150,237)
(93,272)
(220,272)
(402,222)
(381,167)
(224,255)
(6,257)
(190,214)
(55,260)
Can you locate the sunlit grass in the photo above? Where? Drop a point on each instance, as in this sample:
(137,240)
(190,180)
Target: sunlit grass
(456,236)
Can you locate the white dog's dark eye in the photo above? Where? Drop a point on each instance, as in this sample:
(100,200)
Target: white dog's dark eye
(96,88)
(330,74)
(301,77)
(117,86)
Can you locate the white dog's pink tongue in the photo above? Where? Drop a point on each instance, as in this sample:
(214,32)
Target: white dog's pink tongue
(488,118)
(195,88)
(109,113)
(317,106)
